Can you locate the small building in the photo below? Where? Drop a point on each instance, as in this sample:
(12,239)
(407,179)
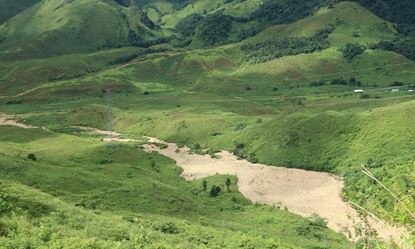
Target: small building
(358,91)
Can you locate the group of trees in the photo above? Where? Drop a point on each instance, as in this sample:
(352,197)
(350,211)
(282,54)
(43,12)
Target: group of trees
(186,26)
(211,30)
(285,11)
(215,190)
(214,29)
(284,46)
(351,50)
(340,81)
(402,14)
(404,45)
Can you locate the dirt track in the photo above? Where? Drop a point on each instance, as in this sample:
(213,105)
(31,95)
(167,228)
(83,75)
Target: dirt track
(10,121)
(303,192)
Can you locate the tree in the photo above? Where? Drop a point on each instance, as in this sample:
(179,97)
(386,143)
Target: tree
(228,184)
(214,191)
(204,185)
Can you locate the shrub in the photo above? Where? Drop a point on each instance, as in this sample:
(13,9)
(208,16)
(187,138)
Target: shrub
(4,205)
(214,191)
(239,150)
(168,228)
(240,126)
(312,227)
(32,157)
(397,83)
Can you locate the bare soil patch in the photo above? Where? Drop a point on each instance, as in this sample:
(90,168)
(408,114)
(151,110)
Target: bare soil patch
(302,192)
(7,120)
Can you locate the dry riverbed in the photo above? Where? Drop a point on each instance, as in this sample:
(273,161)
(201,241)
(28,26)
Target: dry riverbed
(302,192)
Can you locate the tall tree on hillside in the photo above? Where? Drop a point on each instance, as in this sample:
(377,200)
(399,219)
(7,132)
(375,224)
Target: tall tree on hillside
(204,185)
(228,184)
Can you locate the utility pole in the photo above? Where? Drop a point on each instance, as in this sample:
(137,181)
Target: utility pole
(110,126)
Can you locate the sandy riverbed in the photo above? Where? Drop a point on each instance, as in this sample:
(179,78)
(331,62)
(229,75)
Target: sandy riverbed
(302,192)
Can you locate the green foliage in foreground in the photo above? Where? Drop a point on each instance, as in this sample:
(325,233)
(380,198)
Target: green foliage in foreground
(32,219)
(122,197)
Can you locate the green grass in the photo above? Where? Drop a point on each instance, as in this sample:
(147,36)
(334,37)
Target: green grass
(61,27)
(84,172)
(10,9)
(211,97)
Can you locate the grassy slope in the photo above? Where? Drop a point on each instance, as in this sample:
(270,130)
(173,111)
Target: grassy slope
(125,180)
(200,97)
(326,64)
(60,27)
(20,75)
(11,8)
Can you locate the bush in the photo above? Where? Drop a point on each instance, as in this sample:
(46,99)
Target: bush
(214,191)
(4,205)
(312,227)
(239,150)
(240,126)
(168,228)
(32,157)
(397,83)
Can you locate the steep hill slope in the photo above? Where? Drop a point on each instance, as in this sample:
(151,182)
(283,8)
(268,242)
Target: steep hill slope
(61,27)
(269,80)
(131,198)
(10,8)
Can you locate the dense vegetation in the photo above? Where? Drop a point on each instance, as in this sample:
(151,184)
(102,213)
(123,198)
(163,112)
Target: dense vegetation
(401,13)
(404,45)
(351,50)
(214,29)
(187,25)
(270,50)
(285,11)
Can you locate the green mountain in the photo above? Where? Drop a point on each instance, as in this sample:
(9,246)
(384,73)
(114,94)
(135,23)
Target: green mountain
(271,81)
(63,27)
(11,8)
